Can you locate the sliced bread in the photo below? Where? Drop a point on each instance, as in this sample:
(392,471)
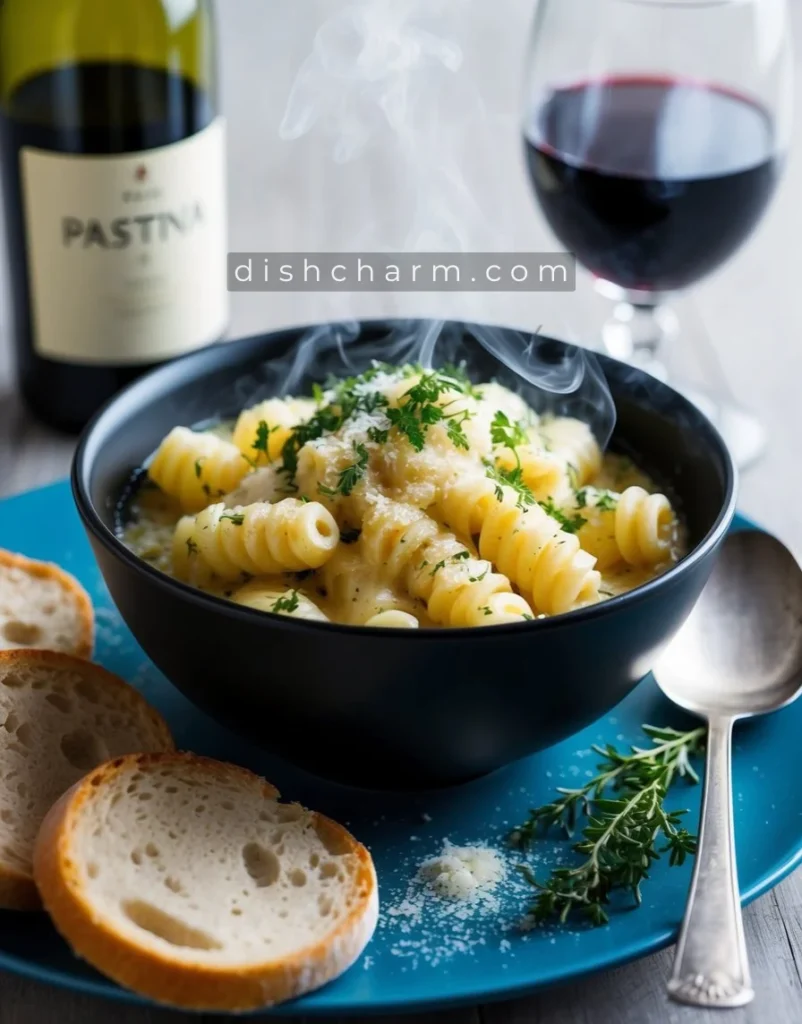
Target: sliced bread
(60,716)
(187,881)
(43,606)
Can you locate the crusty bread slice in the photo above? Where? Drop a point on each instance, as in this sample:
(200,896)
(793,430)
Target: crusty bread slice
(186,880)
(43,606)
(60,716)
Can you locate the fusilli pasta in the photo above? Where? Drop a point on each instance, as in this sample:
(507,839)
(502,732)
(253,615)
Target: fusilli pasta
(196,468)
(260,432)
(258,539)
(410,498)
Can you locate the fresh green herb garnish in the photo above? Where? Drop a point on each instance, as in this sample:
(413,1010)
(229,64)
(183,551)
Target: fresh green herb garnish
(351,475)
(377,436)
(440,565)
(199,467)
(506,433)
(621,837)
(237,518)
(460,555)
(418,409)
(568,524)
(478,579)
(607,501)
(286,603)
(317,394)
(347,400)
(510,478)
(263,432)
(582,498)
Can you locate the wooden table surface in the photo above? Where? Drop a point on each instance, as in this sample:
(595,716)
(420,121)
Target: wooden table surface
(743,326)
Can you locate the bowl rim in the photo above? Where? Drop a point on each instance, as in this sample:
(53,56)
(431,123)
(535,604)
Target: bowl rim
(82,466)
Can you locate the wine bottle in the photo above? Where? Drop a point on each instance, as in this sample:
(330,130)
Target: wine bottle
(112,166)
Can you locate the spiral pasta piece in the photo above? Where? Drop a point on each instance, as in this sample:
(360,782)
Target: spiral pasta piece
(393,618)
(436,568)
(543,473)
(355,590)
(644,527)
(258,539)
(279,415)
(270,596)
(196,468)
(572,442)
(524,543)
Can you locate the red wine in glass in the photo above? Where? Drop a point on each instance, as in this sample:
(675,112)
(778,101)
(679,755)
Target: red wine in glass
(651,182)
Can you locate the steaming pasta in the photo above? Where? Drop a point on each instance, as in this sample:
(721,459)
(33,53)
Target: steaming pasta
(402,499)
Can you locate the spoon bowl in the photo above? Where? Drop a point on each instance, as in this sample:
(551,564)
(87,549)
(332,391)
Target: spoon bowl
(738,654)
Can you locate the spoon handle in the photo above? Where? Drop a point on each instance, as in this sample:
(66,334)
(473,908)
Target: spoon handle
(711,967)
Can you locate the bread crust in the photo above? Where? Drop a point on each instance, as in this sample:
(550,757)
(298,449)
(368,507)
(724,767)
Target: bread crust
(193,986)
(47,570)
(18,890)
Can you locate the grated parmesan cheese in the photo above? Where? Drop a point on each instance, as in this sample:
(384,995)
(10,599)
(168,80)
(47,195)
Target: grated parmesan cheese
(460,872)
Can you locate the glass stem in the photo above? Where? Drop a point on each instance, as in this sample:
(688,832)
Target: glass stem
(640,325)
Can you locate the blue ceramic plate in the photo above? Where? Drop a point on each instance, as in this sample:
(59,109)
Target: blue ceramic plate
(426,953)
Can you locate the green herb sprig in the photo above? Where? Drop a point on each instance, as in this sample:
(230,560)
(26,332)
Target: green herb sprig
(286,603)
(418,409)
(348,397)
(351,475)
(627,830)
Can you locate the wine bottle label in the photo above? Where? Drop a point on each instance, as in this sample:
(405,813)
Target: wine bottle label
(127,254)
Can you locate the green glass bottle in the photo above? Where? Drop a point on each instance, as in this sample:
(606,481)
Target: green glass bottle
(112,163)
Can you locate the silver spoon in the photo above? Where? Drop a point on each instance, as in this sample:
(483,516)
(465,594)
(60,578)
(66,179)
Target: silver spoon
(739,654)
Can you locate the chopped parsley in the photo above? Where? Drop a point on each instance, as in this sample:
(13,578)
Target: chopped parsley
(569,524)
(512,478)
(460,555)
(377,436)
(506,433)
(581,498)
(478,579)
(607,501)
(347,400)
(317,394)
(199,467)
(351,475)
(286,603)
(419,409)
(263,432)
(237,518)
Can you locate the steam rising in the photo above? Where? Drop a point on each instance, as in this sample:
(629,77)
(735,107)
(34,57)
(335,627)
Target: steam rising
(551,378)
(374,77)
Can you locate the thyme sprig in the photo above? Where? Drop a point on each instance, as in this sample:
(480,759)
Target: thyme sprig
(628,828)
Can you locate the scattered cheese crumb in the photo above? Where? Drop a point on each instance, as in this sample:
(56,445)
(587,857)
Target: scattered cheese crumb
(461,871)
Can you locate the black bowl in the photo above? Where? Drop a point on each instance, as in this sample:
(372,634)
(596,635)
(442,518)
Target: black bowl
(386,708)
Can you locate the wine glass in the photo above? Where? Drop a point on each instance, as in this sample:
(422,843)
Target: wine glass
(655,133)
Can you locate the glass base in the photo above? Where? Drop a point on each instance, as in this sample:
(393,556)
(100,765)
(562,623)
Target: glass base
(743,433)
